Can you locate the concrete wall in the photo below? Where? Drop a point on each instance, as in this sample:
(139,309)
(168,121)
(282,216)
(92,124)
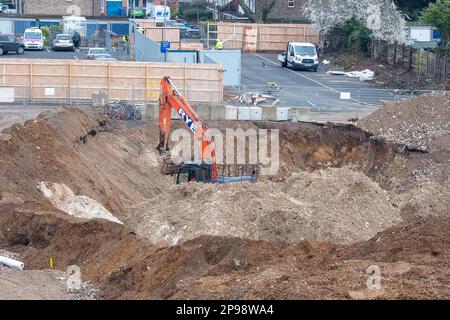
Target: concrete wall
(63,7)
(207,112)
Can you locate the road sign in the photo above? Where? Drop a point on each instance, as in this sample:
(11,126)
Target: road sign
(164,46)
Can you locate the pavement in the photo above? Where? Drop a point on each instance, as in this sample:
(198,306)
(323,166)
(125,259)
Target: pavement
(317,90)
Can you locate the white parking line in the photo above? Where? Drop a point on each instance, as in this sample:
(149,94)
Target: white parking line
(48,50)
(298,74)
(313,105)
(75,57)
(308,78)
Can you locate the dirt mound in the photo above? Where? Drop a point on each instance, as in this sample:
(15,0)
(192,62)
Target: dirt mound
(425,199)
(113,165)
(337,205)
(123,265)
(110,162)
(422,123)
(424,241)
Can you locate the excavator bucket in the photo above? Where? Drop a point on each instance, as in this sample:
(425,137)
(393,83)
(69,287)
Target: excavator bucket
(166,165)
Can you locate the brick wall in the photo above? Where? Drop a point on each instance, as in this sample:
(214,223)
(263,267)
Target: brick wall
(281,11)
(63,7)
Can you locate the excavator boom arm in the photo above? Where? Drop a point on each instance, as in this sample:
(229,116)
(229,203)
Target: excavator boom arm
(170,98)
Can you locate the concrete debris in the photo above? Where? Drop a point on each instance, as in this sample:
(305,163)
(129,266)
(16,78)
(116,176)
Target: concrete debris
(255,98)
(122,110)
(63,198)
(336,73)
(365,75)
(422,124)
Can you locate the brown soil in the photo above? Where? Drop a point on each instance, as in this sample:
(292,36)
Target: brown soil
(255,248)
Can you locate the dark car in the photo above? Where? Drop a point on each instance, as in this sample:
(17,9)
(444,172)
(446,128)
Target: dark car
(9,43)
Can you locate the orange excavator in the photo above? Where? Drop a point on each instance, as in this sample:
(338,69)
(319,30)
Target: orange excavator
(207,171)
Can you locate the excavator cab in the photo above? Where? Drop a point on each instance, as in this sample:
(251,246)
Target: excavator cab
(192,173)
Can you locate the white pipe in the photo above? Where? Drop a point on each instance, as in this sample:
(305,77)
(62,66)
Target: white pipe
(11,263)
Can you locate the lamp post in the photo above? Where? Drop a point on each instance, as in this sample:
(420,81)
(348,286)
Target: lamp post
(164,31)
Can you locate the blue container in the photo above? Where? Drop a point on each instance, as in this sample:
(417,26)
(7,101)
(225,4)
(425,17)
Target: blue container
(21,25)
(113,8)
(122,12)
(120,28)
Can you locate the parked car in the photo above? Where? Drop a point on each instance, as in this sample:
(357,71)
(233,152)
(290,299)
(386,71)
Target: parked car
(136,12)
(4,8)
(33,38)
(95,52)
(11,11)
(105,58)
(63,42)
(8,43)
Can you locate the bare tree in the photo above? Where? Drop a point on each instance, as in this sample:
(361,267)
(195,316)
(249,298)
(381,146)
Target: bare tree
(262,9)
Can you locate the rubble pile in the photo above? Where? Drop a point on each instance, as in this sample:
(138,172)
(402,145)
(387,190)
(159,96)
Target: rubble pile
(122,110)
(421,123)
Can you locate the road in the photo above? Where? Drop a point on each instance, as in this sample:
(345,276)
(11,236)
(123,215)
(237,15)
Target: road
(50,54)
(318,90)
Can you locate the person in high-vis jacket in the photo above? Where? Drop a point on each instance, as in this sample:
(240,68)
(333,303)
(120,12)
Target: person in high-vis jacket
(219,45)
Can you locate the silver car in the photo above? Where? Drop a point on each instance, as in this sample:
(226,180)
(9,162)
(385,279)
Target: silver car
(106,57)
(63,42)
(95,52)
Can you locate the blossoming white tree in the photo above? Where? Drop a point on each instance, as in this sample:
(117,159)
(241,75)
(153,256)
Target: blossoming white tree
(381,16)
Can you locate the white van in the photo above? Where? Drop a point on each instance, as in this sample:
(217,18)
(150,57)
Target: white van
(33,38)
(157,12)
(300,55)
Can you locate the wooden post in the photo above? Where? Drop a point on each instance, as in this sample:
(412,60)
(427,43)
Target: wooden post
(184,79)
(445,68)
(234,36)
(70,82)
(418,64)
(410,58)
(4,71)
(207,35)
(109,81)
(435,66)
(31,80)
(395,53)
(146,84)
(403,56)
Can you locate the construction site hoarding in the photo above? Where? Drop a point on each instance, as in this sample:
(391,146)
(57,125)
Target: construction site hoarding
(253,37)
(156,34)
(68,80)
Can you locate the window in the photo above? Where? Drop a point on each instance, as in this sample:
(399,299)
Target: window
(291,3)
(306,50)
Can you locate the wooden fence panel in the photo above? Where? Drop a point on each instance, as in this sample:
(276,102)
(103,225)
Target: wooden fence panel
(270,37)
(67,79)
